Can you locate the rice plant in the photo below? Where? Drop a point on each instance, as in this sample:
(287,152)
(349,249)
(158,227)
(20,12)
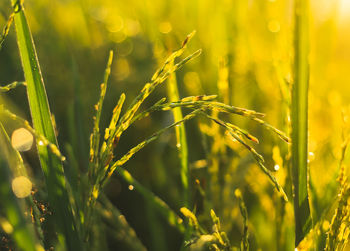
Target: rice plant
(176,163)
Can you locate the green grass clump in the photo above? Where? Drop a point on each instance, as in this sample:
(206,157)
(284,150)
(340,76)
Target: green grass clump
(228,179)
(75,217)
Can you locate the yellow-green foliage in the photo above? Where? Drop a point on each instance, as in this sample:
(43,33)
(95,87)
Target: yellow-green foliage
(244,58)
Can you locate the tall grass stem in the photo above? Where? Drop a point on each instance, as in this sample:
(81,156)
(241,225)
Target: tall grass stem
(299,119)
(181,140)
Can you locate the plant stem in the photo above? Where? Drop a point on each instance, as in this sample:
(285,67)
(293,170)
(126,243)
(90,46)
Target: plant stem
(181,140)
(299,117)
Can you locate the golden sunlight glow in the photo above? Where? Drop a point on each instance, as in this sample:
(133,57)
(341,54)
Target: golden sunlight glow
(344,9)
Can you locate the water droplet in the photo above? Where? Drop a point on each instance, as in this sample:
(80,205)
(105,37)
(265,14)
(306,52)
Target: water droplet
(311,157)
(131,187)
(41,143)
(21,186)
(276,167)
(22,140)
(178,145)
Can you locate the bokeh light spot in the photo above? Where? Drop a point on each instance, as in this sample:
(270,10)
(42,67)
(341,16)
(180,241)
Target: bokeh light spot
(132,27)
(122,69)
(116,24)
(21,186)
(22,140)
(6,226)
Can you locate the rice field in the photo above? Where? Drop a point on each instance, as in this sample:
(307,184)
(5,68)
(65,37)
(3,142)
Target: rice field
(174,125)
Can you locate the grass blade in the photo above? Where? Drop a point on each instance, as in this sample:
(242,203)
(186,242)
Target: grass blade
(244,213)
(181,140)
(41,116)
(299,117)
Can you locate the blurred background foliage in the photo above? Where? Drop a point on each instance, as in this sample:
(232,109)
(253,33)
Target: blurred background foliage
(246,59)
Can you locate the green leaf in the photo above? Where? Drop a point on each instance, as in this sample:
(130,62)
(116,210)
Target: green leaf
(299,117)
(41,116)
